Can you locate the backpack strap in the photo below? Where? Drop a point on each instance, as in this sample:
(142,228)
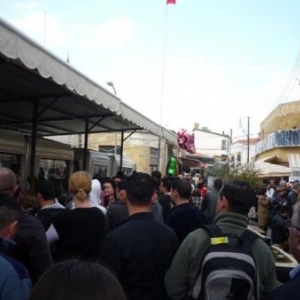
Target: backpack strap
(247,238)
(217,237)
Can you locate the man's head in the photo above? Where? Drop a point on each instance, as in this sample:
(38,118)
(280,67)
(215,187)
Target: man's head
(181,190)
(218,183)
(294,232)
(140,189)
(117,178)
(237,197)
(8,181)
(156,174)
(44,190)
(165,185)
(296,187)
(122,190)
(10,213)
(283,184)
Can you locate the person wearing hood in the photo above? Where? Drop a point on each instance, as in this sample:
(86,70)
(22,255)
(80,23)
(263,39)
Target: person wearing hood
(95,195)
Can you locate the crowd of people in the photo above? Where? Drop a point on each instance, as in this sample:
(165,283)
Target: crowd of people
(136,237)
(274,209)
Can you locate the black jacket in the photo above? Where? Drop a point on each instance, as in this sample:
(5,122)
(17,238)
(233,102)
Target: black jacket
(116,214)
(186,218)
(48,215)
(165,202)
(32,248)
(140,251)
(287,291)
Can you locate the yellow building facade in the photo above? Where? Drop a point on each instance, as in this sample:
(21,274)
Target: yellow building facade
(143,148)
(280,137)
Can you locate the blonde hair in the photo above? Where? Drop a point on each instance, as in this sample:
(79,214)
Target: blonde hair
(80,184)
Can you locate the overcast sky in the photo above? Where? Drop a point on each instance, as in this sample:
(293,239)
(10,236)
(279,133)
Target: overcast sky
(212,62)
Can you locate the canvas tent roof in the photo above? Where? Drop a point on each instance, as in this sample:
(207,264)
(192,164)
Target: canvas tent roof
(37,86)
(271,170)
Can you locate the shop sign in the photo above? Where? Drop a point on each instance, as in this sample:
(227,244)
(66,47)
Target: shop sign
(280,138)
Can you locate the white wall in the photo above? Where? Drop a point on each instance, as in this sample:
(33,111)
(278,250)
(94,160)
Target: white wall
(210,144)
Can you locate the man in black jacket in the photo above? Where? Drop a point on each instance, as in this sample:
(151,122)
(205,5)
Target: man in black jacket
(141,249)
(165,197)
(32,248)
(50,208)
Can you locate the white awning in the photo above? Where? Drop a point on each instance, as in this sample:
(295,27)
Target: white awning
(271,170)
(294,160)
(16,45)
(66,98)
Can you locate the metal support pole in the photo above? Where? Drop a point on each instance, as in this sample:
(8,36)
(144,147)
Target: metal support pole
(121,150)
(33,139)
(159,154)
(248,140)
(86,141)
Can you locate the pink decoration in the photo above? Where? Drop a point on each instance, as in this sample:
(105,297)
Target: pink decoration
(186,141)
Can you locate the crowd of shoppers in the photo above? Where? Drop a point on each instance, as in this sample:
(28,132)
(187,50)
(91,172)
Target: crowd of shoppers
(136,237)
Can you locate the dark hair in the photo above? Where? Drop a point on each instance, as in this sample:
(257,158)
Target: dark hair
(218,183)
(113,184)
(261,190)
(120,174)
(118,177)
(156,174)
(240,196)
(167,183)
(45,188)
(109,180)
(77,280)
(10,210)
(122,185)
(140,188)
(156,183)
(98,177)
(183,188)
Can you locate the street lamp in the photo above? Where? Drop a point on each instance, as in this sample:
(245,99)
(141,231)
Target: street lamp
(111,84)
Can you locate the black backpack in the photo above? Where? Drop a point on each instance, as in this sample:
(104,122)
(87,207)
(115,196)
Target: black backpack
(227,272)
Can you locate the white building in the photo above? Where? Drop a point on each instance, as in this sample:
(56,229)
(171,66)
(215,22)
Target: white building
(239,151)
(211,143)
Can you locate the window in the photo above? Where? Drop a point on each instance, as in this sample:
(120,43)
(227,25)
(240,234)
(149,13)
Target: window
(154,159)
(6,160)
(296,173)
(223,145)
(53,169)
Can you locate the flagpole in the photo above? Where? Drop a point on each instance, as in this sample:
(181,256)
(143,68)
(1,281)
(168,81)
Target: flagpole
(163,66)
(162,90)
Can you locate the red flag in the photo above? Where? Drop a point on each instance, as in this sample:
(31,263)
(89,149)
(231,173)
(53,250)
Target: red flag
(171,1)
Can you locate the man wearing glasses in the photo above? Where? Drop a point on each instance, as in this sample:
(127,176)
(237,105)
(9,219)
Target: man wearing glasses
(291,289)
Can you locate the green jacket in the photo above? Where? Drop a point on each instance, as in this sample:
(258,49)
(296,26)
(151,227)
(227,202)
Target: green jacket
(184,268)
